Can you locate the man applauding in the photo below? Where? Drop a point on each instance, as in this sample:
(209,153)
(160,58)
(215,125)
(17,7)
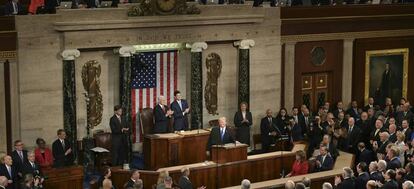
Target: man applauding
(181,110)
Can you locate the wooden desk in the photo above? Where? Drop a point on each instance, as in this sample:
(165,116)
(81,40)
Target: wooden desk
(164,150)
(256,168)
(64,178)
(229,152)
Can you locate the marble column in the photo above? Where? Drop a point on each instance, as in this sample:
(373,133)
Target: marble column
(197,84)
(125,54)
(289,74)
(347,70)
(69,94)
(244,70)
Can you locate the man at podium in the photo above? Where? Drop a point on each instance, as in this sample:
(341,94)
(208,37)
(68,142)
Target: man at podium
(220,135)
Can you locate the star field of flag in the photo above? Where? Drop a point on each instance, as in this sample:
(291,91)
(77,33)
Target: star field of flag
(144,71)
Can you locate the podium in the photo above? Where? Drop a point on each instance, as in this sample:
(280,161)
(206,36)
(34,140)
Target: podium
(229,152)
(171,149)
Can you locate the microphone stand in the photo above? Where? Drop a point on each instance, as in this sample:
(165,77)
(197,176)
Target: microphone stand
(282,173)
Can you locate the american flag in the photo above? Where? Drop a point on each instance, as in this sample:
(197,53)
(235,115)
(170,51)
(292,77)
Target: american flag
(153,74)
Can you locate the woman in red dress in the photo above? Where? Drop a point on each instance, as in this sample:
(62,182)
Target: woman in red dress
(300,166)
(43,155)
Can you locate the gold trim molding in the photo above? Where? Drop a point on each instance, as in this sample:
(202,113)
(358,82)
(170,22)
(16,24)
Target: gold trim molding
(8,54)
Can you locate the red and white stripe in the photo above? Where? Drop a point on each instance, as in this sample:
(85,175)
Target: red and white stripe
(167,66)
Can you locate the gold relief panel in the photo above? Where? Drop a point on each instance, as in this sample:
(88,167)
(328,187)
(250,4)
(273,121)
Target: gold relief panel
(306,82)
(4,55)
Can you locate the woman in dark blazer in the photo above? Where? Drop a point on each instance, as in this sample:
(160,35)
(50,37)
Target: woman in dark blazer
(300,165)
(243,121)
(282,121)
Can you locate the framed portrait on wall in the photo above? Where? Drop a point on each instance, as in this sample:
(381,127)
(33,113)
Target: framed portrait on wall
(386,74)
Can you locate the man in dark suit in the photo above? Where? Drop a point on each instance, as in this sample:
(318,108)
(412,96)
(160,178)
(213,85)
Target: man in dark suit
(184,181)
(30,167)
(62,150)
(406,130)
(9,171)
(268,130)
(390,182)
(19,156)
(363,176)
(333,151)
(348,181)
(353,137)
(162,116)
(339,108)
(392,129)
(375,134)
(132,180)
(353,110)
(181,110)
(374,174)
(119,130)
(365,155)
(50,6)
(13,7)
(405,114)
(380,148)
(363,125)
(394,162)
(370,104)
(220,135)
(304,120)
(324,161)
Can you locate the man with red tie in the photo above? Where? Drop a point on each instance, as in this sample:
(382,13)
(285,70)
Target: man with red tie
(119,131)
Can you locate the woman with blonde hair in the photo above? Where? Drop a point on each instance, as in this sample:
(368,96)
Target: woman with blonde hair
(161,177)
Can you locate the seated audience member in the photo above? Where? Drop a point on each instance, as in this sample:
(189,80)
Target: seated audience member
(220,134)
(307,182)
(290,184)
(9,171)
(300,166)
(184,182)
(43,154)
(374,174)
(13,7)
(36,6)
(363,176)
(19,156)
(161,178)
(245,184)
(268,130)
(30,167)
(327,185)
(371,184)
(390,182)
(348,180)
(3,182)
(105,181)
(365,155)
(394,162)
(62,150)
(300,186)
(30,182)
(324,161)
(400,176)
(133,179)
(408,185)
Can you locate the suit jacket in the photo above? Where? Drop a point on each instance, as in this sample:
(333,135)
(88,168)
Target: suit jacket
(361,180)
(17,161)
(265,129)
(215,137)
(302,122)
(162,122)
(353,113)
(367,107)
(14,176)
(59,153)
(129,184)
(382,148)
(353,138)
(180,118)
(238,118)
(377,176)
(29,169)
(408,135)
(347,183)
(185,183)
(333,151)
(394,164)
(400,117)
(8,8)
(393,138)
(296,133)
(325,165)
(117,136)
(366,156)
(392,184)
(337,111)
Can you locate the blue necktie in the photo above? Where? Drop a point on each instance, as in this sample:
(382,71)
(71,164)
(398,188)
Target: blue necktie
(222,134)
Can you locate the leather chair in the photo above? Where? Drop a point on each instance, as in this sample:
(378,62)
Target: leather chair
(147,120)
(103,140)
